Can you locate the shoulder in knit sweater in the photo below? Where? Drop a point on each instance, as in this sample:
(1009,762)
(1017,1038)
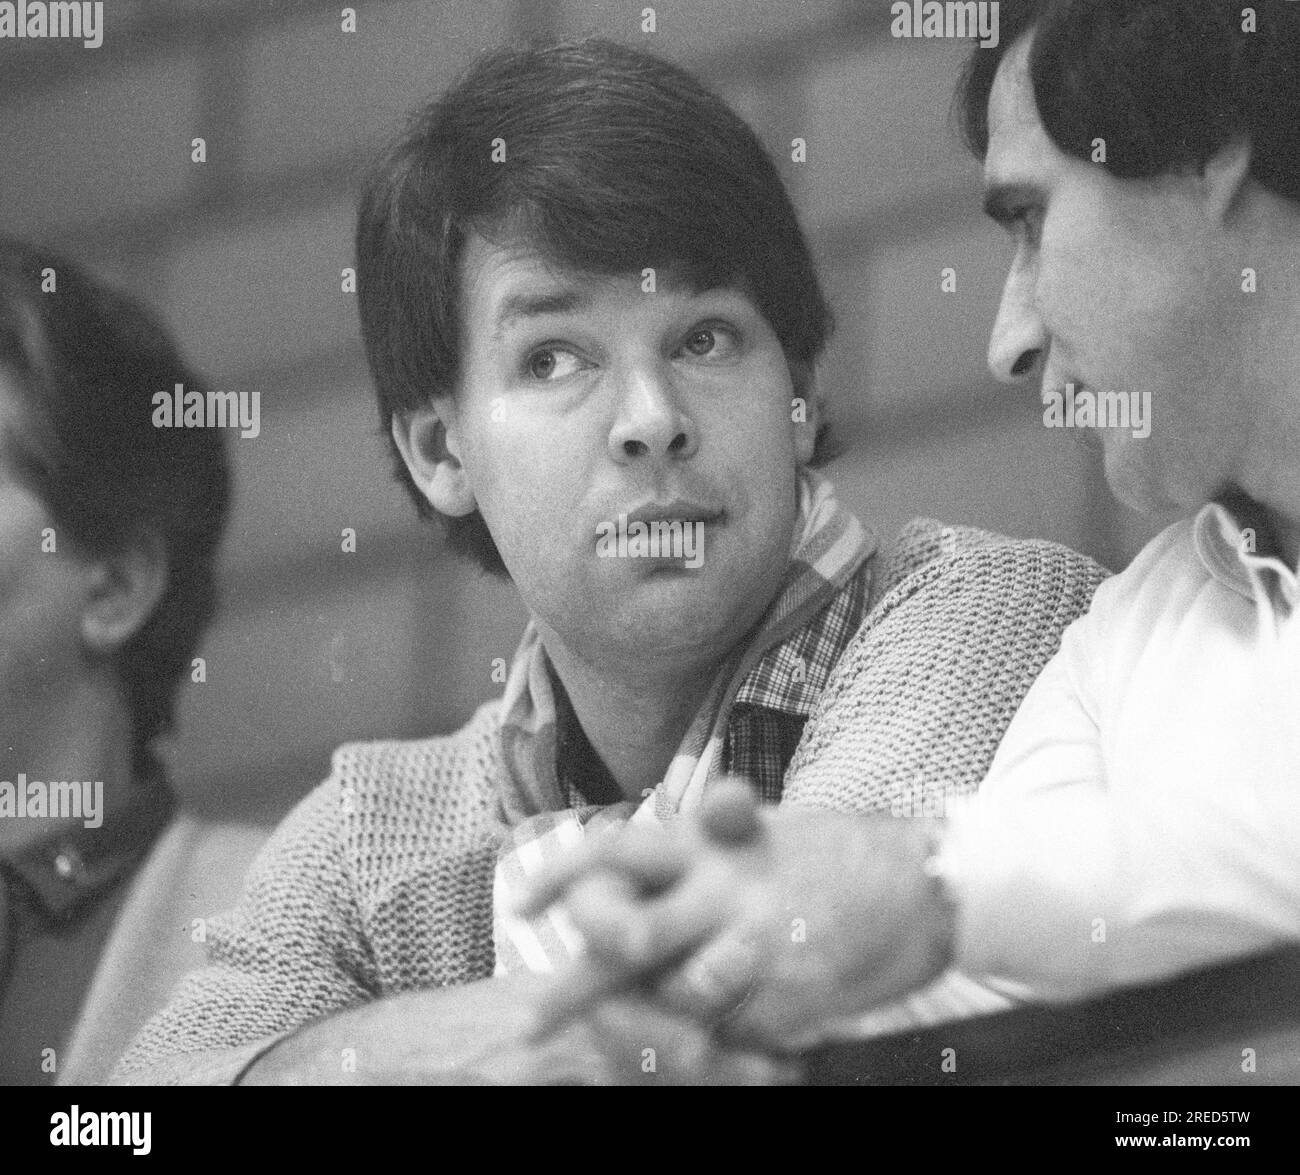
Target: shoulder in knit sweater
(425,765)
(927,548)
(404,805)
(961,623)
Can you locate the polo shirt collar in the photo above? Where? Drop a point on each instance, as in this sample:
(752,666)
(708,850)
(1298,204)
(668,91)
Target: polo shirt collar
(1226,546)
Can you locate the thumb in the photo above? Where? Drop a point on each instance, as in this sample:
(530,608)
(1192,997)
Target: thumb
(729,813)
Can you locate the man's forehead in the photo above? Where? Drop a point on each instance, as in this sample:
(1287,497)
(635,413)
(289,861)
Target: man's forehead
(516,279)
(502,274)
(1017,138)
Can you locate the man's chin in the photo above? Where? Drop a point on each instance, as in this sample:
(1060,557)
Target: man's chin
(1129,491)
(681,572)
(681,609)
(1138,488)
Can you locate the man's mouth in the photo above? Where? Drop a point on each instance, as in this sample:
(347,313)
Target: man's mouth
(1061,390)
(678,510)
(666,534)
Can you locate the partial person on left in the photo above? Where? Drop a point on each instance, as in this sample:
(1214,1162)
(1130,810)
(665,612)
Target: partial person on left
(109,530)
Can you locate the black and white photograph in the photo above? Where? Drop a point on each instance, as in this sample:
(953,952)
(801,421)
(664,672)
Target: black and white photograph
(712,542)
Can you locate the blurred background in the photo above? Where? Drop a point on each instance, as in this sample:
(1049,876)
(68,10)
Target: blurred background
(242,255)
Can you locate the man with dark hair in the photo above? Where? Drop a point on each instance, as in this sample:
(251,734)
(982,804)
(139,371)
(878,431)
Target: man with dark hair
(108,536)
(1142,815)
(596,188)
(592,320)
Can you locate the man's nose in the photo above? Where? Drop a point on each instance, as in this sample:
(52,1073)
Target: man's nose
(1019,341)
(651,420)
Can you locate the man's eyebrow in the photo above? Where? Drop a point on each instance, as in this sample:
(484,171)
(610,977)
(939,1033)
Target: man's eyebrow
(1004,201)
(533,305)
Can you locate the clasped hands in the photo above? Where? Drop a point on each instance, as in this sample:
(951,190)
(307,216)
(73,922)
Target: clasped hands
(768,927)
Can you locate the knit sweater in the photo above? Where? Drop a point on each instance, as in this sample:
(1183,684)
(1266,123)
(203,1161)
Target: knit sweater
(380,881)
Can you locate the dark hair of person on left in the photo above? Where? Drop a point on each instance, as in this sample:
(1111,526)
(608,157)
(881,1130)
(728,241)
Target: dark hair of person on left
(86,360)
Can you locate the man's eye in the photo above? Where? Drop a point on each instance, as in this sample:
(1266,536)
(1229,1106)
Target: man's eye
(547,363)
(712,342)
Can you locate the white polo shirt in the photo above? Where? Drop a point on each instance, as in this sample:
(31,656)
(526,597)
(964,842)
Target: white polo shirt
(1142,814)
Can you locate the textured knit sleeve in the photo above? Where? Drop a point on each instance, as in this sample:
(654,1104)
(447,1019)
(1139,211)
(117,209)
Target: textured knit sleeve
(921,697)
(292,950)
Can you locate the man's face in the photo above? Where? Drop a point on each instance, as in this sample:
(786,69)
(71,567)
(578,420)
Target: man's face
(584,398)
(41,594)
(1118,286)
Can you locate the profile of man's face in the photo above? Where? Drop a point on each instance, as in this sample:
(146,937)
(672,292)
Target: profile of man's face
(1122,286)
(41,583)
(585,398)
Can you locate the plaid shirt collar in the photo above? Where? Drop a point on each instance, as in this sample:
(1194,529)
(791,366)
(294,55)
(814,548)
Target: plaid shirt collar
(775,700)
(790,676)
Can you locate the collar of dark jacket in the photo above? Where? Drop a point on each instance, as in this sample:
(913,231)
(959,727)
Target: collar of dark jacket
(64,873)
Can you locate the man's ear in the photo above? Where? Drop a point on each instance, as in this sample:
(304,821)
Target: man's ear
(124,589)
(1224,176)
(805,411)
(426,439)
